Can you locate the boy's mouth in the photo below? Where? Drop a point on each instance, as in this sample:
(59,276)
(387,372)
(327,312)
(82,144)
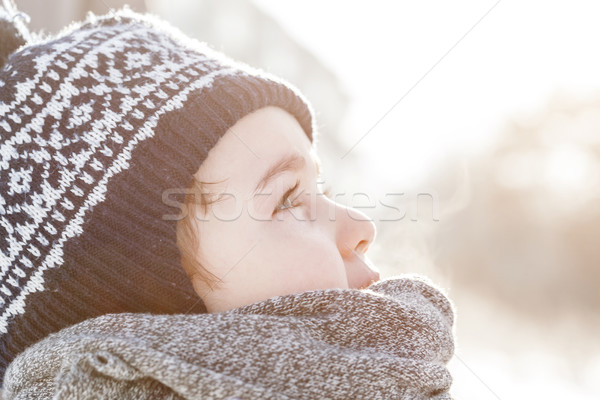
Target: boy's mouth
(364,272)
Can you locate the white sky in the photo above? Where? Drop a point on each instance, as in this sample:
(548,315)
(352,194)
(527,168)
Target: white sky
(521,53)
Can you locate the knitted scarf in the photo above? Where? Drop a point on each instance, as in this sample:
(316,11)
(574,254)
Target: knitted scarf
(389,341)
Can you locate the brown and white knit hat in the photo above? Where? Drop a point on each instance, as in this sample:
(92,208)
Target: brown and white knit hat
(95,124)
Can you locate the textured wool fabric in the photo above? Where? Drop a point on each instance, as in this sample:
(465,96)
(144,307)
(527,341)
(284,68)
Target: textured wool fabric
(390,341)
(97,124)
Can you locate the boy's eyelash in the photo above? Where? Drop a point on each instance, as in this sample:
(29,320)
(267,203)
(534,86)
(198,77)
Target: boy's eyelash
(286,196)
(288,193)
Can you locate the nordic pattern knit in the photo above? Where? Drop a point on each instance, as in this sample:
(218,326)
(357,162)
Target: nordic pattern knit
(96,125)
(390,341)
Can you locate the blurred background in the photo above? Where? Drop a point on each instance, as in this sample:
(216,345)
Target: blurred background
(469,131)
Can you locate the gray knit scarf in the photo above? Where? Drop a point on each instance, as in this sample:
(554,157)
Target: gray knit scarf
(389,341)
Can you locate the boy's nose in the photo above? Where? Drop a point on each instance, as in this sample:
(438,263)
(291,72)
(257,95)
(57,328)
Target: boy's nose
(354,234)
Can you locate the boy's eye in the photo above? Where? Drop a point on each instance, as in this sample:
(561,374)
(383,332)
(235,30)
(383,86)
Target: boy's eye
(285,198)
(285,203)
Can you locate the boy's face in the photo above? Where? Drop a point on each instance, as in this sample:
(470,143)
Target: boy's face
(261,248)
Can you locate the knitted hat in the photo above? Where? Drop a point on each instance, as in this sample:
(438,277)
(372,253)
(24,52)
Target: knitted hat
(95,125)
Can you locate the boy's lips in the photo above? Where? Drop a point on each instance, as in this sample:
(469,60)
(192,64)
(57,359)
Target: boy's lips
(364,272)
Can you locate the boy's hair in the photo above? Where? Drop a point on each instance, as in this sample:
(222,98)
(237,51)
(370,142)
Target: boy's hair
(197,199)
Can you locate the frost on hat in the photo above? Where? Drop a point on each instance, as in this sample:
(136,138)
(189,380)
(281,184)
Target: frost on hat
(95,125)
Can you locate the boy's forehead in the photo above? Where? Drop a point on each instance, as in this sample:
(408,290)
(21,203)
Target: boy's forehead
(250,175)
(253,144)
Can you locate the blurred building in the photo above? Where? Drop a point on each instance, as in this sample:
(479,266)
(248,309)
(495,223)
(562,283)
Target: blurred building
(528,238)
(52,16)
(531,232)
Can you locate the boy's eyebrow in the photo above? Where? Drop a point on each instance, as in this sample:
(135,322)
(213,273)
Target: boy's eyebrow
(289,162)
